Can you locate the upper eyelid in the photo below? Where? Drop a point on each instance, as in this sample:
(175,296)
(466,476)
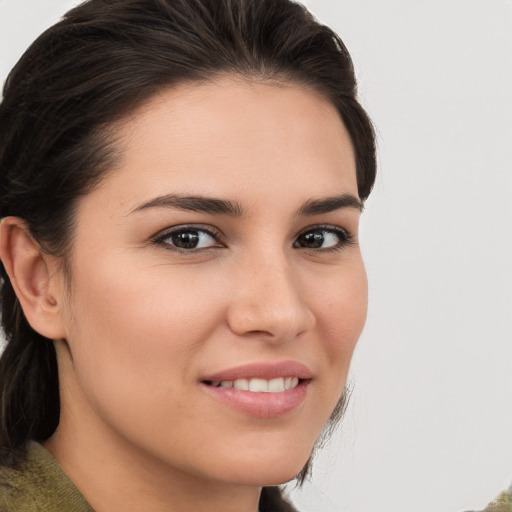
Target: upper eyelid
(344,235)
(326,227)
(161,239)
(210,230)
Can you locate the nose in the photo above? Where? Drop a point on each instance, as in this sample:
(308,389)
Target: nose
(269,302)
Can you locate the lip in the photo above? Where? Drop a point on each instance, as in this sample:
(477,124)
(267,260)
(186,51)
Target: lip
(261,405)
(262,371)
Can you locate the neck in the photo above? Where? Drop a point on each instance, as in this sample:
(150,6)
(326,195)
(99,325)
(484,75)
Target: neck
(125,480)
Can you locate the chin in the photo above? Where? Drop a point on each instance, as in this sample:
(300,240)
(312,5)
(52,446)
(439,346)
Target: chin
(269,471)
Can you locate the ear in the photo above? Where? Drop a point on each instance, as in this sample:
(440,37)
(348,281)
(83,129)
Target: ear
(34,278)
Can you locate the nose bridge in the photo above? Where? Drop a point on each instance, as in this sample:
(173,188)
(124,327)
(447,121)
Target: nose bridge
(269,298)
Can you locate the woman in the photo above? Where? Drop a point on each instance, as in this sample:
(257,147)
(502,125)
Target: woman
(183,287)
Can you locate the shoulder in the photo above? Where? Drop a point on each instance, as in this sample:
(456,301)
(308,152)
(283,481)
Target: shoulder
(39,484)
(18,485)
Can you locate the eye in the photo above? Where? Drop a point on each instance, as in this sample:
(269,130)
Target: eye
(323,238)
(186,238)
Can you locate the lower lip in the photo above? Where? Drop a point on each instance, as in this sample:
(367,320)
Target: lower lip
(261,405)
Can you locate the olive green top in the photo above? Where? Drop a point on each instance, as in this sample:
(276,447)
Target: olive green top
(39,485)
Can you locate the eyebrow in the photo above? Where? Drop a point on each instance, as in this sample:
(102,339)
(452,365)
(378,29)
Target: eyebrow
(216,206)
(194,204)
(330,204)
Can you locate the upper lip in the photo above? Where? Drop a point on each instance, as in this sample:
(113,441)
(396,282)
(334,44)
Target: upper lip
(261,370)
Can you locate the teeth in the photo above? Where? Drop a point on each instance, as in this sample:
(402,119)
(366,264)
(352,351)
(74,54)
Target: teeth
(291,382)
(259,385)
(276,385)
(242,384)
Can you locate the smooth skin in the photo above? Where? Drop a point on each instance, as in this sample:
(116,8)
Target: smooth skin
(139,322)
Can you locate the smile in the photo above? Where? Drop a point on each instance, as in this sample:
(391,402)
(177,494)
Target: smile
(261,389)
(277,385)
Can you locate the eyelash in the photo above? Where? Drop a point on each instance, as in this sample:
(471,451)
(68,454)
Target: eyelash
(344,238)
(161,238)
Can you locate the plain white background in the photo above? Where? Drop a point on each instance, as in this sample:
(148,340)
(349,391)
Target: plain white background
(430,422)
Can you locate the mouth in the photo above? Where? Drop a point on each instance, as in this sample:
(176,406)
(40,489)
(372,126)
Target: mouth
(257,385)
(261,390)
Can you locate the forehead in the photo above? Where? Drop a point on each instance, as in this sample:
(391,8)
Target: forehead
(233,137)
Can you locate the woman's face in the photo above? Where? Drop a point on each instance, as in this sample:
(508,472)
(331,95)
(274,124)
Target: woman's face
(221,253)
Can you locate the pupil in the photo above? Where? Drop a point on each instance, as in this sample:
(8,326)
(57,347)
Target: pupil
(312,240)
(185,239)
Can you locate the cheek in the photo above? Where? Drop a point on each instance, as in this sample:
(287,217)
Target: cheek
(341,314)
(136,329)
(135,340)
(342,307)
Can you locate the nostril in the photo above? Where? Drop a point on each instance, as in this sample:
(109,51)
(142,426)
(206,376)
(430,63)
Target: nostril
(260,333)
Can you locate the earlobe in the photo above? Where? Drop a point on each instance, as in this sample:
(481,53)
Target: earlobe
(31,277)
